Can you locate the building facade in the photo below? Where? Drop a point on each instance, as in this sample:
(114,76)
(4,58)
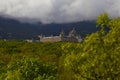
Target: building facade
(72,37)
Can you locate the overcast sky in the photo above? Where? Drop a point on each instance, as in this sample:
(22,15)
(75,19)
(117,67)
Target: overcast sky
(60,11)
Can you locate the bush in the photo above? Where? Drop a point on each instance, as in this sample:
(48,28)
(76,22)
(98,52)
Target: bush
(30,69)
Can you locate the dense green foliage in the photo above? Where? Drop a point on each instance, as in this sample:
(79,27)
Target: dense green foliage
(97,58)
(21,60)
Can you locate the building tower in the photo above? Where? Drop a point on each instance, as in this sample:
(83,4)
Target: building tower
(62,34)
(72,33)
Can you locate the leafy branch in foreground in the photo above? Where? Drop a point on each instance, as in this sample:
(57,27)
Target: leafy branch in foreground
(100,57)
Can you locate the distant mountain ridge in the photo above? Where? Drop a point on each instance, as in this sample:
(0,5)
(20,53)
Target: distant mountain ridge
(13,29)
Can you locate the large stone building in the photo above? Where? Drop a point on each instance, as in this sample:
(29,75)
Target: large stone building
(72,37)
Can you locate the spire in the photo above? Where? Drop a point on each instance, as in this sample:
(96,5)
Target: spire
(62,33)
(40,36)
(72,33)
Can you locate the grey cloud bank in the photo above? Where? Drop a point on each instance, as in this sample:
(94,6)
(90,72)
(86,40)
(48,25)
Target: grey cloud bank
(58,11)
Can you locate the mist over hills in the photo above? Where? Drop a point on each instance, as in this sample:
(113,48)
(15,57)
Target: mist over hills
(13,29)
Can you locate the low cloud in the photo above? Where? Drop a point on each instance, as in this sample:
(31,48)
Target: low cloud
(58,11)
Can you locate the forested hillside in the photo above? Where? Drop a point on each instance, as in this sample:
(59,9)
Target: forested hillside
(13,29)
(96,58)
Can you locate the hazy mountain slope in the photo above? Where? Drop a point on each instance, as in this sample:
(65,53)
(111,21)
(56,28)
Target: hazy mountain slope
(13,29)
